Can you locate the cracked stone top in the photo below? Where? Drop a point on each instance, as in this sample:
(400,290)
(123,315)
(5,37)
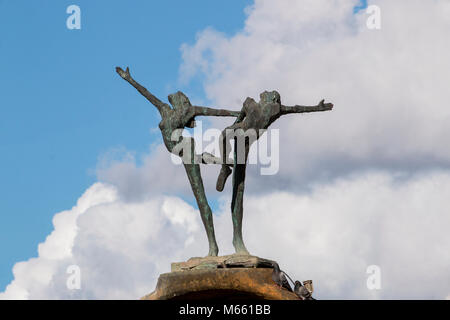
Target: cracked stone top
(222,262)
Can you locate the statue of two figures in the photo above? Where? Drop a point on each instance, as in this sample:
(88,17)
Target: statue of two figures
(253,119)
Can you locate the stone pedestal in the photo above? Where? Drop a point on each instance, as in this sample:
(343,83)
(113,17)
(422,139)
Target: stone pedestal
(234,277)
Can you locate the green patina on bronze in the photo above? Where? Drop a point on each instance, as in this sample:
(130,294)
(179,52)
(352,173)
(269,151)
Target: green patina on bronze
(255,117)
(182,114)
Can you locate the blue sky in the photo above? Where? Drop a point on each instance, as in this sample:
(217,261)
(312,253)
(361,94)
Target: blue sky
(63,105)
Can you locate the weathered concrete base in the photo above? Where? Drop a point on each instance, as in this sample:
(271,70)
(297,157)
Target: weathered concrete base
(230,261)
(233,277)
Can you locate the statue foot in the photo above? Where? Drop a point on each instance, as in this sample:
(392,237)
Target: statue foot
(243,252)
(225,172)
(213,251)
(240,248)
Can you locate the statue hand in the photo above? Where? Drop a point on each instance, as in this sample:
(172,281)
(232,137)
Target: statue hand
(325,106)
(123,74)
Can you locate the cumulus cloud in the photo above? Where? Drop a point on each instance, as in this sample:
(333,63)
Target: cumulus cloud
(335,232)
(330,235)
(388,85)
(120,247)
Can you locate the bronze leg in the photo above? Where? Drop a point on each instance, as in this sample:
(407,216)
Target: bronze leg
(195,179)
(237,203)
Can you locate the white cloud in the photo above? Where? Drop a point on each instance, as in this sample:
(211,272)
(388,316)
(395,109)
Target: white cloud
(120,247)
(388,85)
(329,235)
(332,234)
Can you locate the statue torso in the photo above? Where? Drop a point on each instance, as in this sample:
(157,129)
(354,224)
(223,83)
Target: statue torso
(260,115)
(174,119)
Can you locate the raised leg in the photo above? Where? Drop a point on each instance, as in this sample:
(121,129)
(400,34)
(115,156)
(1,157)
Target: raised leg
(208,158)
(225,148)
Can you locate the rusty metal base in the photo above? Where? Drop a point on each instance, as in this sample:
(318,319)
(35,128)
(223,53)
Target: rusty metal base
(204,279)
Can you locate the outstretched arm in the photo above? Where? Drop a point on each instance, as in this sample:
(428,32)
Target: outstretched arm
(301,109)
(205,111)
(161,106)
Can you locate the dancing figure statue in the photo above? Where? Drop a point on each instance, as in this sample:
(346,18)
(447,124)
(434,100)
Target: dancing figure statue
(173,120)
(253,120)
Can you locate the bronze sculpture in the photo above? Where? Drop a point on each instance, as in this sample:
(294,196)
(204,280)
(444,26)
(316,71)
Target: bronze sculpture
(172,119)
(253,119)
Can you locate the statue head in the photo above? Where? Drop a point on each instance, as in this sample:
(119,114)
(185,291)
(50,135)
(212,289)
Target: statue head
(179,100)
(270,97)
